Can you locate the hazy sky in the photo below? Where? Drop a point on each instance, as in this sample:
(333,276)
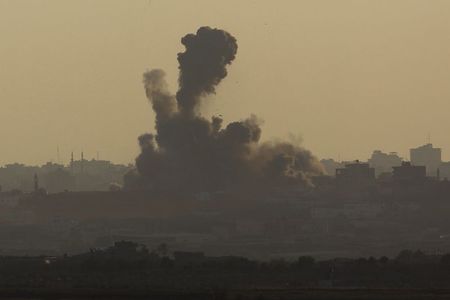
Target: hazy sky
(346,76)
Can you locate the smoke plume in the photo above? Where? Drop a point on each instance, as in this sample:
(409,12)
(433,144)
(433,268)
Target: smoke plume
(190,152)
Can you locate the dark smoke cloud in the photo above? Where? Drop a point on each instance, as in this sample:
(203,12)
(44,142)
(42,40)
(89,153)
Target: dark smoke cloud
(203,65)
(190,152)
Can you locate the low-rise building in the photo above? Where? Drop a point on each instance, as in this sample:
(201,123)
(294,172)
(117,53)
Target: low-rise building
(408,173)
(356,173)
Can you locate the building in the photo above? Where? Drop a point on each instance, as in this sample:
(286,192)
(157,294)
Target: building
(408,173)
(427,156)
(79,175)
(355,173)
(384,162)
(444,170)
(330,166)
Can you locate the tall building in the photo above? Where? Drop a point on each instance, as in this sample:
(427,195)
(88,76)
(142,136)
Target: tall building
(427,156)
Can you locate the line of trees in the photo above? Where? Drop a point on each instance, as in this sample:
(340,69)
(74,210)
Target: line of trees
(131,265)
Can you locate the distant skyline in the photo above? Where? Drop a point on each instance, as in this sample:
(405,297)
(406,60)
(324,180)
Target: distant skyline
(348,77)
(65,159)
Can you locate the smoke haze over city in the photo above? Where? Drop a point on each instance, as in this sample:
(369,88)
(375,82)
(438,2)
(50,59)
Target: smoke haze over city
(367,71)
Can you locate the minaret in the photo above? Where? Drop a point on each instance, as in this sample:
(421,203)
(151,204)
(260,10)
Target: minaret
(82,161)
(71,162)
(36,183)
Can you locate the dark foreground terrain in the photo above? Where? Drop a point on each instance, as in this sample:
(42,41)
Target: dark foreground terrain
(230,294)
(130,271)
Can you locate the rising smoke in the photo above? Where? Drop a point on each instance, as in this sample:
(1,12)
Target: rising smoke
(190,152)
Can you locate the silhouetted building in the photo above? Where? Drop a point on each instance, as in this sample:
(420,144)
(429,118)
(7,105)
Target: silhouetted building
(383,162)
(408,173)
(59,180)
(355,173)
(444,170)
(86,175)
(330,166)
(97,175)
(426,156)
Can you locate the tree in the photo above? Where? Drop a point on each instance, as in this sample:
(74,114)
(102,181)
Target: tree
(306,262)
(445,260)
(162,249)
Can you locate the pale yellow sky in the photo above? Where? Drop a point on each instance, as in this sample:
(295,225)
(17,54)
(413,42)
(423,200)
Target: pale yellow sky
(347,76)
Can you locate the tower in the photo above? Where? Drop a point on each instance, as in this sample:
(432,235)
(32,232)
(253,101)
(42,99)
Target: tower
(82,161)
(71,162)
(36,183)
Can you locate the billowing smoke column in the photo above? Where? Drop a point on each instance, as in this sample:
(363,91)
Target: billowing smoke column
(192,153)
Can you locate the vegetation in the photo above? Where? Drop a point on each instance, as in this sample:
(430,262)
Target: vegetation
(128,265)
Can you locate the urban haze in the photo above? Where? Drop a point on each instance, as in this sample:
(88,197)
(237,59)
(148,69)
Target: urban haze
(224,150)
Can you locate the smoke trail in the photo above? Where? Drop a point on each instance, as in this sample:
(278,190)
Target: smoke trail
(190,152)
